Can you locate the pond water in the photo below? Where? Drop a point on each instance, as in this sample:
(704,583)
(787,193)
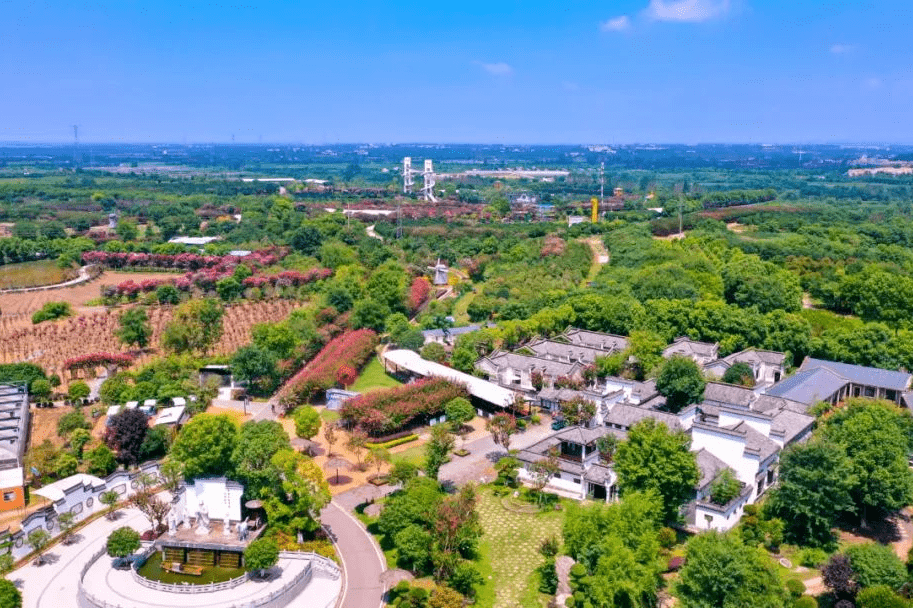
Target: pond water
(153,570)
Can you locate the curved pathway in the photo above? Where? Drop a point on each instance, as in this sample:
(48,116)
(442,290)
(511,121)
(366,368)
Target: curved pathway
(362,561)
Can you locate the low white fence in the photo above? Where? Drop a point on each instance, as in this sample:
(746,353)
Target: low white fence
(277,599)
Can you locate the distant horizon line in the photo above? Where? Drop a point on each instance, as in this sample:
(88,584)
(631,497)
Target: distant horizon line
(844,144)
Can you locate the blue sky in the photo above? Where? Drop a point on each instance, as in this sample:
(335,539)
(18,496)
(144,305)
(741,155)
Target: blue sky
(565,71)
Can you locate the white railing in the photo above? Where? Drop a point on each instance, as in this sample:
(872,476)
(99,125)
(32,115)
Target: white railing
(187,587)
(290,589)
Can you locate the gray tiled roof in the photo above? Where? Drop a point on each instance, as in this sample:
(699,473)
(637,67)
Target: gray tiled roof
(791,424)
(710,466)
(525,362)
(581,435)
(766,403)
(753,355)
(809,386)
(722,393)
(596,339)
(858,374)
(755,441)
(686,346)
(549,349)
(628,415)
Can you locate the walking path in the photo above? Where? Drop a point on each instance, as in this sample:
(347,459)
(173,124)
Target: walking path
(54,584)
(362,560)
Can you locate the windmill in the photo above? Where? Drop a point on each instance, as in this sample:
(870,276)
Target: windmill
(441,273)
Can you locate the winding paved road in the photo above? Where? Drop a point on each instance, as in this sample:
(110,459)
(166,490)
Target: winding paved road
(362,561)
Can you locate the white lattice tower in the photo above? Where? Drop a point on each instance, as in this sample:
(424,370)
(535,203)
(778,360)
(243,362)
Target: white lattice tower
(428,183)
(408,180)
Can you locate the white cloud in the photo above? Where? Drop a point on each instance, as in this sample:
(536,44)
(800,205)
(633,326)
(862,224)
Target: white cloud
(692,11)
(842,49)
(497,69)
(616,24)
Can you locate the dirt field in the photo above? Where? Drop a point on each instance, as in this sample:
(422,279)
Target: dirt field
(50,344)
(16,306)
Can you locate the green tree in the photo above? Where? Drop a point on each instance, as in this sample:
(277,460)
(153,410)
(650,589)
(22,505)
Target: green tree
(195,326)
(876,564)
(252,457)
(437,450)
(123,542)
(78,391)
(167,294)
(875,435)
(301,493)
(647,350)
(134,327)
(256,366)
(617,550)
(721,572)
(205,445)
(369,314)
(71,421)
(414,545)
(680,381)
(126,230)
(654,458)
(10,596)
(262,554)
(109,499)
(815,483)
(307,421)
(38,540)
(78,440)
(459,411)
(434,352)
(740,373)
(725,487)
(67,522)
(41,389)
(66,464)
(881,596)
(100,461)
(155,444)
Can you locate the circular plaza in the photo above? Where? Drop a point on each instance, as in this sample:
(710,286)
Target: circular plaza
(310,577)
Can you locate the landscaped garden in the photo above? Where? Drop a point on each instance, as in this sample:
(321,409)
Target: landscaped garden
(373,378)
(154,570)
(510,551)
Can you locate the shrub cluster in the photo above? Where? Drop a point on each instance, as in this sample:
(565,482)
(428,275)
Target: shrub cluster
(383,412)
(351,349)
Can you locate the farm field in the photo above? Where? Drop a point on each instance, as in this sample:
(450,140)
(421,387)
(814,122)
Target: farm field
(20,306)
(50,344)
(33,274)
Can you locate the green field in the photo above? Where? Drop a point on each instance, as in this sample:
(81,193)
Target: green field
(34,274)
(510,553)
(373,378)
(152,570)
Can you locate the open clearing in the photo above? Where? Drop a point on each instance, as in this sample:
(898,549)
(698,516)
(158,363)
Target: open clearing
(32,274)
(20,306)
(510,549)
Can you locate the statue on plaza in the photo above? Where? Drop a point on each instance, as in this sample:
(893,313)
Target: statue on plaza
(226,526)
(172,524)
(242,530)
(202,518)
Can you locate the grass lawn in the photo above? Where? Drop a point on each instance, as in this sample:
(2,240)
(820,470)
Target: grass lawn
(460,316)
(329,415)
(415,455)
(510,553)
(30,274)
(373,378)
